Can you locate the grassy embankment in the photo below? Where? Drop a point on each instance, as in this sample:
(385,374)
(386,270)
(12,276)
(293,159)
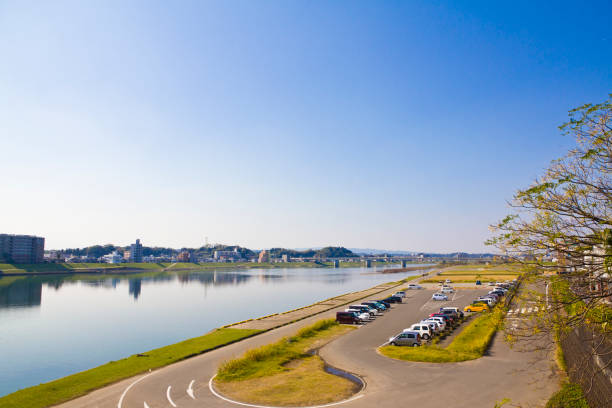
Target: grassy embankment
(20,269)
(472,273)
(470,344)
(72,386)
(284,373)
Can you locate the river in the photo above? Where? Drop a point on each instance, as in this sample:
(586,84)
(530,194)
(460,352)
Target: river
(53,326)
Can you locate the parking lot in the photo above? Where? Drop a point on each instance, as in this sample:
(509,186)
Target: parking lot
(524,377)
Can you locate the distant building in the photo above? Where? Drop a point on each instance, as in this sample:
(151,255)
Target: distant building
(112,258)
(22,248)
(264,256)
(54,256)
(184,257)
(225,255)
(285,258)
(135,252)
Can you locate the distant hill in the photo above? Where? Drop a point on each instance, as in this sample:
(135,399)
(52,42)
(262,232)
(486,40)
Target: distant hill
(327,252)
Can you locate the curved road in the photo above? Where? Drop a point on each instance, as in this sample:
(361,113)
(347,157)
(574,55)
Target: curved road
(523,377)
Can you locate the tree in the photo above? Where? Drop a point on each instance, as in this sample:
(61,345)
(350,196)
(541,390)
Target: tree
(561,228)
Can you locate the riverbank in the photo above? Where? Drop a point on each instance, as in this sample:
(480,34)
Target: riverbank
(73,386)
(131,268)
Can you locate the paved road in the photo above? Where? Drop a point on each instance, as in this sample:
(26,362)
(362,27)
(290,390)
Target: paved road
(527,378)
(479,383)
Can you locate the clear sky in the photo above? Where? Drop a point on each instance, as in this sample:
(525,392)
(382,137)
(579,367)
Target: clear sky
(378,124)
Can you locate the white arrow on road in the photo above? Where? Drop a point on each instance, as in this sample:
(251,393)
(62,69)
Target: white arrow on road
(190,390)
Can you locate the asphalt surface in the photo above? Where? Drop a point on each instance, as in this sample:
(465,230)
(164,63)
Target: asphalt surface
(525,378)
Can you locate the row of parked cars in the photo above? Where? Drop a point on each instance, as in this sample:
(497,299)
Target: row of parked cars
(484,303)
(437,323)
(368,310)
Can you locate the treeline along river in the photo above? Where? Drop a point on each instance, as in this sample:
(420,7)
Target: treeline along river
(53,326)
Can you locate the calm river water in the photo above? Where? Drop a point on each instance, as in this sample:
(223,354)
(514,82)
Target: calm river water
(52,326)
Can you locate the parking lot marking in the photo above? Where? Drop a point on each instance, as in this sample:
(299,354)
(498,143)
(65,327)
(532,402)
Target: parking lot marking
(190,390)
(168,396)
(522,310)
(120,403)
(244,404)
(529,310)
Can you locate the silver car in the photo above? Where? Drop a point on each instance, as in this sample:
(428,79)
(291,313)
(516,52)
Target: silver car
(407,338)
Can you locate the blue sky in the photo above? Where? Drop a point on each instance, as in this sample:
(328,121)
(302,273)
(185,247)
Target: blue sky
(398,125)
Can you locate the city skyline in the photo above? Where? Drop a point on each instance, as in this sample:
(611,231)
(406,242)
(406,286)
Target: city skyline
(392,125)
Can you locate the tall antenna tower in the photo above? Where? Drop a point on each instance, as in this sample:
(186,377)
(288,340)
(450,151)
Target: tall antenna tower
(206,242)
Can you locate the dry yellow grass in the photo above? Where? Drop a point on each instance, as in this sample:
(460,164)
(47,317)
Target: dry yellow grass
(304,383)
(285,373)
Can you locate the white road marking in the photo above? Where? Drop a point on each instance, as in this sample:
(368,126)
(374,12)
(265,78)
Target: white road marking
(210,386)
(536,309)
(145,405)
(523,310)
(529,310)
(190,390)
(168,396)
(120,403)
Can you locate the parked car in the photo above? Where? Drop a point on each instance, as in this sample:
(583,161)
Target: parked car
(348,318)
(373,309)
(441,322)
(489,301)
(476,307)
(385,303)
(454,309)
(497,292)
(401,294)
(493,296)
(447,289)
(364,309)
(393,299)
(414,286)
(439,296)
(449,319)
(452,314)
(375,304)
(478,282)
(363,316)
(423,329)
(406,339)
(434,325)
(491,283)
(448,281)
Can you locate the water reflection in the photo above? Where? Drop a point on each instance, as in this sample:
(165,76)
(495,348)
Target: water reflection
(21,293)
(125,314)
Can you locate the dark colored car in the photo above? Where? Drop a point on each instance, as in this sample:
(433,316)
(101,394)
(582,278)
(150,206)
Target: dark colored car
(478,282)
(377,305)
(393,299)
(453,309)
(498,293)
(451,313)
(386,304)
(347,318)
(449,319)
